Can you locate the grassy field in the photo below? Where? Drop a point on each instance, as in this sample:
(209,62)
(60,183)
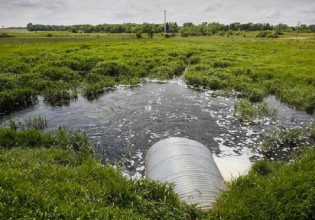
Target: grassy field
(55,175)
(59,68)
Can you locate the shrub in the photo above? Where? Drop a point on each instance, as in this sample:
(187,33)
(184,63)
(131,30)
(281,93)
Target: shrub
(167,35)
(267,33)
(139,35)
(184,34)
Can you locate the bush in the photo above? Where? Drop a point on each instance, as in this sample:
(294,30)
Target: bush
(184,34)
(268,34)
(139,35)
(167,35)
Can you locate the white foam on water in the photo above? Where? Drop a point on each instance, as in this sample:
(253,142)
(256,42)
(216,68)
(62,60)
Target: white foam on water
(232,167)
(230,163)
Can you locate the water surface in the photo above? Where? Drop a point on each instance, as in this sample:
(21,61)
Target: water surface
(132,119)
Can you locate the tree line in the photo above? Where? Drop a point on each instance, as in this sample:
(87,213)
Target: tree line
(188,28)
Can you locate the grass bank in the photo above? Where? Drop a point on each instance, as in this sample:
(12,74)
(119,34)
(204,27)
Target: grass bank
(55,175)
(271,191)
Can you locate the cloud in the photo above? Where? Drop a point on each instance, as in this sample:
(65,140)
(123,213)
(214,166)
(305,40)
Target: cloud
(20,12)
(269,13)
(212,6)
(37,4)
(309,9)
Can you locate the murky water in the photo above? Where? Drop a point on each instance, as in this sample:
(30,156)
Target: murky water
(132,119)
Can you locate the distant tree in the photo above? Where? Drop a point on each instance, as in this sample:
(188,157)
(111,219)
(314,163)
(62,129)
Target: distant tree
(312,27)
(245,27)
(173,27)
(267,26)
(29,26)
(235,26)
(73,30)
(188,24)
(167,27)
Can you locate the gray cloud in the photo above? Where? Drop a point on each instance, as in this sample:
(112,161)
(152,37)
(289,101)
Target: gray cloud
(21,12)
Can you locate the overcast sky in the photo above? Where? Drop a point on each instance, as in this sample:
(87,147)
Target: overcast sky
(66,12)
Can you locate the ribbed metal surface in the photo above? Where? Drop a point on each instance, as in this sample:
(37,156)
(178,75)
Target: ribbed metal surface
(189,165)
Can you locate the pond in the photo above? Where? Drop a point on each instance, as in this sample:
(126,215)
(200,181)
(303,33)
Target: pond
(132,119)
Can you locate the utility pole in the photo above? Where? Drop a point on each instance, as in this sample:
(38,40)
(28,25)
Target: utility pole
(164,21)
(297,30)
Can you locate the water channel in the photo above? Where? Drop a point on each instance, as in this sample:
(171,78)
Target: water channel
(131,119)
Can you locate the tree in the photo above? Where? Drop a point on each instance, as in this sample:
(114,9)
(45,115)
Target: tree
(73,30)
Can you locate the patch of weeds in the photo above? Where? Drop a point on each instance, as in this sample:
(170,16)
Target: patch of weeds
(282,142)
(247,111)
(38,123)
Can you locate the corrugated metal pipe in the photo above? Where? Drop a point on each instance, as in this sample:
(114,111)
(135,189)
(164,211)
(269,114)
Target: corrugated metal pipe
(190,166)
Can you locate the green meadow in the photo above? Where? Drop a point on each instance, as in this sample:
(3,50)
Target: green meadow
(56,175)
(60,68)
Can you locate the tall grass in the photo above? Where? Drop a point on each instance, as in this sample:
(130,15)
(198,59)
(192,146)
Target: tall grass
(55,175)
(271,191)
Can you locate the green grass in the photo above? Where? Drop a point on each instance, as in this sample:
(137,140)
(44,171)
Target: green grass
(53,184)
(58,68)
(247,111)
(271,191)
(57,182)
(55,175)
